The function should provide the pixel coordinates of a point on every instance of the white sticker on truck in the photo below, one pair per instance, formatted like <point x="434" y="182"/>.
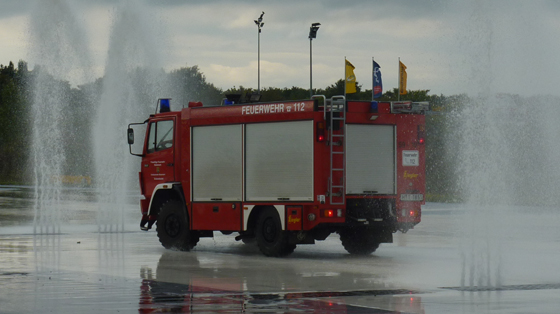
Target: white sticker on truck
<point x="412" y="197"/>
<point x="410" y="158"/>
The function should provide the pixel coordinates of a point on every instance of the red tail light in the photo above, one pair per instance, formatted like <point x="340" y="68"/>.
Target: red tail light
<point x="320" y="131"/>
<point x="421" y="134"/>
<point x="331" y="213"/>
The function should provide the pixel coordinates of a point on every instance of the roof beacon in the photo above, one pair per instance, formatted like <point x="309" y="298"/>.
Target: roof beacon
<point x="164" y="105"/>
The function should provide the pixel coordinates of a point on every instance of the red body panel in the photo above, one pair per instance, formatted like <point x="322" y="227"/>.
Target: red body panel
<point x="294" y="219"/>
<point x="217" y="216"/>
<point x="410" y="179"/>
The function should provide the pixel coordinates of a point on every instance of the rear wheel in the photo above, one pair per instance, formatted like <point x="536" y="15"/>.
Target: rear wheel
<point x="359" y="241"/>
<point x="173" y="227"/>
<point x="249" y="241"/>
<point x="271" y="239"/>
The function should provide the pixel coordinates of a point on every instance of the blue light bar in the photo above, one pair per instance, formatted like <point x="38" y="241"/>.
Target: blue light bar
<point x="373" y="107"/>
<point x="164" y="105"/>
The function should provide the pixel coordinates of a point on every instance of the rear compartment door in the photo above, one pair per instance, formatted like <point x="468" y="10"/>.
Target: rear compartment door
<point x="370" y="159"/>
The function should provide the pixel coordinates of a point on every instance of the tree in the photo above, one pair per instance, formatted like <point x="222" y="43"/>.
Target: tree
<point x="189" y="84"/>
<point x="14" y="130"/>
<point x="338" y="89"/>
<point x="442" y="155"/>
<point x="411" y="95"/>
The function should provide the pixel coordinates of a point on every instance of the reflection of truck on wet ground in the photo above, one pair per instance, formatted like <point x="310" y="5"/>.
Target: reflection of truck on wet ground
<point x="189" y="283"/>
<point x="284" y="173"/>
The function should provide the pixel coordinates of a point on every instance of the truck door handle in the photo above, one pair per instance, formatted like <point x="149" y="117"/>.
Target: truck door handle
<point x="170" y="164"/>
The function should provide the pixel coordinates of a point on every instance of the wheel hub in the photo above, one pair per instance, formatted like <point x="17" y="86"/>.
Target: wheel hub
<point x="269" y="230"/>
<point x="172" y="226"/>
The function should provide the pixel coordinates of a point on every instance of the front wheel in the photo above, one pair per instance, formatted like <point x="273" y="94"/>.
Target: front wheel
<point x="271" y="239"/>
<point x="173" y="227"/>
<point x="359" y="241"/>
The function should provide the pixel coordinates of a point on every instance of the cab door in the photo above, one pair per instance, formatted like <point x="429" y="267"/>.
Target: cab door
<point x="158" y="163"/>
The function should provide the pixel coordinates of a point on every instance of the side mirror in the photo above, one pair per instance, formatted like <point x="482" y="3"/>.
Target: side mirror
<point x="130" y="133"/>
<point x="130" y="137"/>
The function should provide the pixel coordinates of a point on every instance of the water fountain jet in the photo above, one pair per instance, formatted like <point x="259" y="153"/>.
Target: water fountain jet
<point x="132" y="79"/>
<point x="58" y="44"/>
<point x="507" y="143"/>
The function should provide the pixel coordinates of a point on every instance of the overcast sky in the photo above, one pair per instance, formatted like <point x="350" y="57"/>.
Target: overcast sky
<point x="449" y="47"/>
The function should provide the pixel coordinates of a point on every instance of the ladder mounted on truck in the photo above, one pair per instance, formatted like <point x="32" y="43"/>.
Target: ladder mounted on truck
<point x="334" y="110"/>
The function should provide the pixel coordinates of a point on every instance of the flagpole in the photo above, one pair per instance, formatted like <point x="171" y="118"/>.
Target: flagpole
<point x="372" y="79"/>
<point x="399" y="78"/>
<point x="345" y="77"/>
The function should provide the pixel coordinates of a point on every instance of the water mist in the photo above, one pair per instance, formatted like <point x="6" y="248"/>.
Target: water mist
<point x="130" y="88"/>
<point x="508" y="144"/>
<point x="58" y="46"/>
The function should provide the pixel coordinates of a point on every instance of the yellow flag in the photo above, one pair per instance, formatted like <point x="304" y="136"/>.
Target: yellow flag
<point x="402" y="78"/>
<point x="350" y="78"/>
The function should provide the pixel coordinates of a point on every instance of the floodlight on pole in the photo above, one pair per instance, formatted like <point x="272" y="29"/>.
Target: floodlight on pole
<point x="312" y="34"/>
<point x="260" y="24"/>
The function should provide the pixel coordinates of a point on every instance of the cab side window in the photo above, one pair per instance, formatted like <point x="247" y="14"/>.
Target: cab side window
<point x="160" y="136"/>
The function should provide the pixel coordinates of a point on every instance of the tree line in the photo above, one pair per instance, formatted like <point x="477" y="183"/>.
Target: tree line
<point x="15" y="133"/>
<point x="189" y="84"/>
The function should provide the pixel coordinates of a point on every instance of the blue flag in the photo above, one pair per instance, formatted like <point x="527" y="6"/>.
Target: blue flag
<point x="377" y="83"/>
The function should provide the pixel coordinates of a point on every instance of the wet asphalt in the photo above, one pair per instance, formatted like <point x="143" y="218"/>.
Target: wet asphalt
<point x="82" y="270"/>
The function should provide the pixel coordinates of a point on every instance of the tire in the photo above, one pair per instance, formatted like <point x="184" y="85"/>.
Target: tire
<point x="249" y="241"/>
<point x="173" y="227"/>
<point x="359" y="241"/>
<point x="271" y="239"/>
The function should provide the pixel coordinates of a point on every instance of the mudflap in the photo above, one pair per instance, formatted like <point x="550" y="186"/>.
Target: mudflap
<point x="300" y="238"/>
<point x="382" y="233"/>
<point x="385" y="237"/>
<point x="147" y="220"/>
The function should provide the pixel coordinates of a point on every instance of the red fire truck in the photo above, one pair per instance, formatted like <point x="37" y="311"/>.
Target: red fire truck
<point x="284" y="173"/>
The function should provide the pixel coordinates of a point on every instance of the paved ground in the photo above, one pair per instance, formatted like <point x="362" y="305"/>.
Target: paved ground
<point x="431" y="269"/>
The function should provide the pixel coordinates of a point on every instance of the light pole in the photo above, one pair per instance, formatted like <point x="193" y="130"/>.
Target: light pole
<point x="260" y="24"/>
<point x="312" y="34"/>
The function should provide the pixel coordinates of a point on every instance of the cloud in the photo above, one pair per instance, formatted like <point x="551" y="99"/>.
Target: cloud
<point x="272" y="74"/>
<point x="11" y="30"/>
<point x="11" y="8"/>
<point x="445" y="44"/>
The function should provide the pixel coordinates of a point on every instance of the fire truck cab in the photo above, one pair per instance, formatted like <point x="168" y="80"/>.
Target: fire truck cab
<point x="284" y="173"/>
